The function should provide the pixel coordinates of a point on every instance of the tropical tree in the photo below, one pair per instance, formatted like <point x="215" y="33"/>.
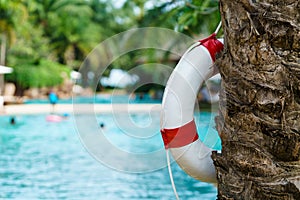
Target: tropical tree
<point x="33" y="54"/>
<point x="33" y="63"/>
<point x="68" y="26"/>
<point x="188" y="16"/>
<point x="259" y="109"/>
<point x="195" y="17"/>
<point x="109" y="18"/>
<point x="12" y="13"/>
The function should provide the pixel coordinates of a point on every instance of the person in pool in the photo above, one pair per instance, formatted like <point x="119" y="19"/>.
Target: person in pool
<point x="12" y="120"/>
<point x="102" y="126"/>
<point x="53" y="99"/>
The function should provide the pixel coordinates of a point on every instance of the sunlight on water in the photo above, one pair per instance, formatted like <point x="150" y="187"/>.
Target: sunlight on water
<point x="43" y="160"/>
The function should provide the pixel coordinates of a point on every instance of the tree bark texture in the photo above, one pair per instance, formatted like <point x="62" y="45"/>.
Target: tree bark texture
<point x="259" y="116"/>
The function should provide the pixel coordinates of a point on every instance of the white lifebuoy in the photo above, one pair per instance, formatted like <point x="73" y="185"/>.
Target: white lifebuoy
<point x="177" y="123"/>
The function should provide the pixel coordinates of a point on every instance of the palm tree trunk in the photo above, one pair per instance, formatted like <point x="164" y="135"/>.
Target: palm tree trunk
<point x="259" y="116"/>
<point x="2" y="60"/>
<point x="3" y="49"/>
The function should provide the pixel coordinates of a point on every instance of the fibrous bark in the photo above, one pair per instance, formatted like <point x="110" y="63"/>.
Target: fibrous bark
<point x="259" y="116"/>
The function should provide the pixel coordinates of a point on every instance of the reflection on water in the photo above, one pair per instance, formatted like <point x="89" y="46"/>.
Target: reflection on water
<point x="42" y="160"/>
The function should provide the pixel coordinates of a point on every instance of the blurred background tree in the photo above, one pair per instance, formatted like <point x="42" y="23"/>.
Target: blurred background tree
<point x="47" y="36"/>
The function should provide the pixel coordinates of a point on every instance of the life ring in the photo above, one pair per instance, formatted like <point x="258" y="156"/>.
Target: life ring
<point x="178" y="128"/>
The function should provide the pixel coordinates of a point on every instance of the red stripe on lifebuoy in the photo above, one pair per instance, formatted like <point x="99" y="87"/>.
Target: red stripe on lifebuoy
<point x="179" y="137"/>
<point x="212" y="45"/>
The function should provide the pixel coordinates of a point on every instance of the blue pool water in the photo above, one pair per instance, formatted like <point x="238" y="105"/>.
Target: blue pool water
<point x="44" y="160"/>
<point x="100" y="98"/>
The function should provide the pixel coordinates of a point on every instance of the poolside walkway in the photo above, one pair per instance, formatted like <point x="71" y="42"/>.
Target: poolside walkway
<point x="79" y="108"/>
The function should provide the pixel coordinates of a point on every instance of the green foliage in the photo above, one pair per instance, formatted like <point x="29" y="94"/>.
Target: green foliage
<point x="192" y="17"/>
<point x="195" y="17"/>
<point x="30" y="46"/>
<point x="45" y="73"/>
<point x="68" y="26"/>
<point x="198" y="16"/>
<point x="12" y="12"/>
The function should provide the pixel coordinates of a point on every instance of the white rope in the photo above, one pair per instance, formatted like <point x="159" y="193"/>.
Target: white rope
<point x="191" y="48"/>
<point x="171" y="176"/>
<point x="218" y="28"/>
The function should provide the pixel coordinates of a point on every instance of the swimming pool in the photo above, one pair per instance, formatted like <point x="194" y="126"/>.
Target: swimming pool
<point x="99" y="98"/>
<point x="43" y="160"/>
